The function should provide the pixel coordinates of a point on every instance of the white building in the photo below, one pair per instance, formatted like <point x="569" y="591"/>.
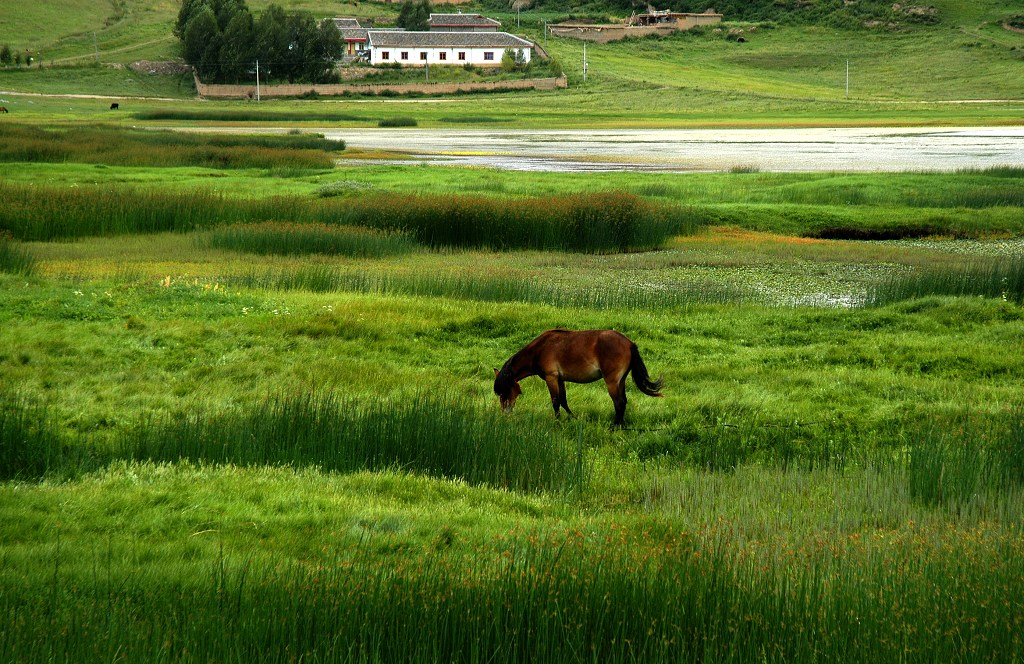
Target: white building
<point x="417" y="49"/>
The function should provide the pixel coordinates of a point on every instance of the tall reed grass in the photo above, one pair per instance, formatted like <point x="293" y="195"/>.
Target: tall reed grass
<point x="31" y="447"/>
<point x="305" y="239"/>
<point x="1002" y="278"/>
<point x="955" y="465"/>
<point x="597" y="222"/>
<point x="605" y="595"/>
<point x="325" y="279"/>
<point x="15" y="259"/>
<point x="434" y="435"/>
<point x="129" y="147"/>
<point x="246" y="115"/>
<point x="445" y="437"/>
<point x="602" y="222"/>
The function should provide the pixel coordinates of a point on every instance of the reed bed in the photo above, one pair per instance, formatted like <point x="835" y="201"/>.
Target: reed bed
<point x="325" y="279"/>
<point x="1003" y="278"/>
<point x="436" y="436"/>
<point x="606" y="594"/>
<point x="246" y="115"/>
<point x="290" y="239"/>
<point x="596" y="223"/>
<point x="15" y="259"/>
<point x="128" y="147"/>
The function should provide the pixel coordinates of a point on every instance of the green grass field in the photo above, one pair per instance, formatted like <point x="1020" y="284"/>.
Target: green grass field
<point x="236" y="422"/>
<point x="246" y="406"/>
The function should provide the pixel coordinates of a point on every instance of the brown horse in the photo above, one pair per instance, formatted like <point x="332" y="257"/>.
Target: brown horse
<point x="3" y="109"/>
<point x="561" y="356"/>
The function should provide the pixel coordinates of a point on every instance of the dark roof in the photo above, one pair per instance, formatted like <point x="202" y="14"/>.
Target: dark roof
<point x="447" y="39"/>
<point x="462" y="20"/>
<point x="346" y="23"/>
<point x="353" y="34"/>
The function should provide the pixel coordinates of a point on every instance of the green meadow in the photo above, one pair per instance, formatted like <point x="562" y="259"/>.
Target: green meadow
<point x="247" y="410"/>
<point x="246" y="404"/>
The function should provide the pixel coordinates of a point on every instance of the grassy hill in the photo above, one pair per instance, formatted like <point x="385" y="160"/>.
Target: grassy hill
<point x="791" y="61"/>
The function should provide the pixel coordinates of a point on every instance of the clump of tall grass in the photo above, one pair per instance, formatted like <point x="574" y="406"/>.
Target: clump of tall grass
<point x="953" y="465"/>
<point x="325" y="279"/>
<point x="595" y="222"/>
<point x="247" y="115"/>
<point x="397" y="122"/>
<point x="1002" y="278"/>
<point x="15" y="259"/>
<point x="303" y="239"/>
<point x="60" y="213"/>
<point x="601" y="222"/>
<point x="444" y="437"/>
<point x="30" y="446"/>
<point x="606" y="595"/>
<point x="129" y="147"/>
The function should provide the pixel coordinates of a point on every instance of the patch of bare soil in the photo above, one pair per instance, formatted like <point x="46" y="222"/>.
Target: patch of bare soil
<point x="169" y="68"/>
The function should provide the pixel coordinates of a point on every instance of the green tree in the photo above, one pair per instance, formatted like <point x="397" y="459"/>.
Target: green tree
<point x="272" y="41"/>
<point x="238" y="54"/>
<point x="201" y="43"/>
<point x="414" y="15"/>
<point x="6" y="57"/>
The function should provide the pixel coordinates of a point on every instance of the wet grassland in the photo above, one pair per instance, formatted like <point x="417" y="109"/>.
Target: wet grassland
<point x="247" y="411"/>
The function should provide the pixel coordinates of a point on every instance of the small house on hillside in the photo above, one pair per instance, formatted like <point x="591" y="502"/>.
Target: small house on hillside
<point x="680" y="20"/>
<point x="419" y="49"/>
<point x="353" y="36"/>
<point x="462" y="23"/>
<point x="639" y="25"/>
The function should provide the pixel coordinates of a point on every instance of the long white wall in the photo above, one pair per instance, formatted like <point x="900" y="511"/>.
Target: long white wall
<point x="385" y="55"/>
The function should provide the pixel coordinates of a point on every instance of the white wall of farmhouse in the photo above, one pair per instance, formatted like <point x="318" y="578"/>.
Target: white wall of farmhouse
<point x="418" y="49"/>
<point x="420" y="56"/>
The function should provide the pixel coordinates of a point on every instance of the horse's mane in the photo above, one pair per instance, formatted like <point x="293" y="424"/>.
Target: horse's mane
<point x="504" y="379"/>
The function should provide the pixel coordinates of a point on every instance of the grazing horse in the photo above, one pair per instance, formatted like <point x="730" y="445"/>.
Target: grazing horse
<point x="115" y="106"/>
<point x="561" y="356"/>
<point x="3" y="109"/>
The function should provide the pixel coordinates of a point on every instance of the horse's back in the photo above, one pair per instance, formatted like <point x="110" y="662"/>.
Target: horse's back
<point x="583" y="355"/>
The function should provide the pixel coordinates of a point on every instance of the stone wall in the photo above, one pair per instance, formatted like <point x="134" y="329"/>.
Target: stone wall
<point x="217" y="91"/>
<point x="602" y="34"/>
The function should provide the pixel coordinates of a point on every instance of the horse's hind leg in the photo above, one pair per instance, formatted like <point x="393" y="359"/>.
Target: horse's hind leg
<point x="617" y="391"/>
<point x="561" y="395"/>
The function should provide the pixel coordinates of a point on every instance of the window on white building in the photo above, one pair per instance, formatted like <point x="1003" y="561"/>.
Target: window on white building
<point x="423" y="55"/>
<point x="385" y="55"/>
<point x="462" y="55"/>
<point x="488" y="55"/>
<point x="442" y="56"/>
<point x="405" y="55"/>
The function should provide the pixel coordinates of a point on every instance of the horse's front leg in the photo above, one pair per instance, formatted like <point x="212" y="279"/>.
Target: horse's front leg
<point x="555" y="388"/>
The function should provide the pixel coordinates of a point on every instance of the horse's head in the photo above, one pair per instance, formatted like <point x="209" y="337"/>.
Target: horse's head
<point x="506" y="388"/>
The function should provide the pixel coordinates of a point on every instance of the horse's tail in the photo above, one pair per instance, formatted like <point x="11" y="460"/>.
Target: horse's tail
<point x="641" y="377"/>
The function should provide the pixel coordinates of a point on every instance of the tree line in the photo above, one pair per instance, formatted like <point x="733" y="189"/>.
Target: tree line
<point x="223" y="41"/>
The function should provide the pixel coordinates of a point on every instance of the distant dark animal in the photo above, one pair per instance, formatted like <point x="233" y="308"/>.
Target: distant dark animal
<point x="115" y="106"/>
<point x="560" y="356"/>
<point x="3" y="109"/>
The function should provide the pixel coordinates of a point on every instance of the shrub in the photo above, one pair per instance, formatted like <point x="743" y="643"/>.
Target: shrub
<point x="397" y="122"/>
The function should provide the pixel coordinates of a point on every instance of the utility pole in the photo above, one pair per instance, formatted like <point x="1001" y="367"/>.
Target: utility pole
<point x="584" y="61"/>
<point x="257" y="80"/>
<point x="847" y="78"/>
<point x="95" y="48"/>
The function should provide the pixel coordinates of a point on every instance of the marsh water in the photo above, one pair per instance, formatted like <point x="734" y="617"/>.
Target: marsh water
<point x="680" y="150"/>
